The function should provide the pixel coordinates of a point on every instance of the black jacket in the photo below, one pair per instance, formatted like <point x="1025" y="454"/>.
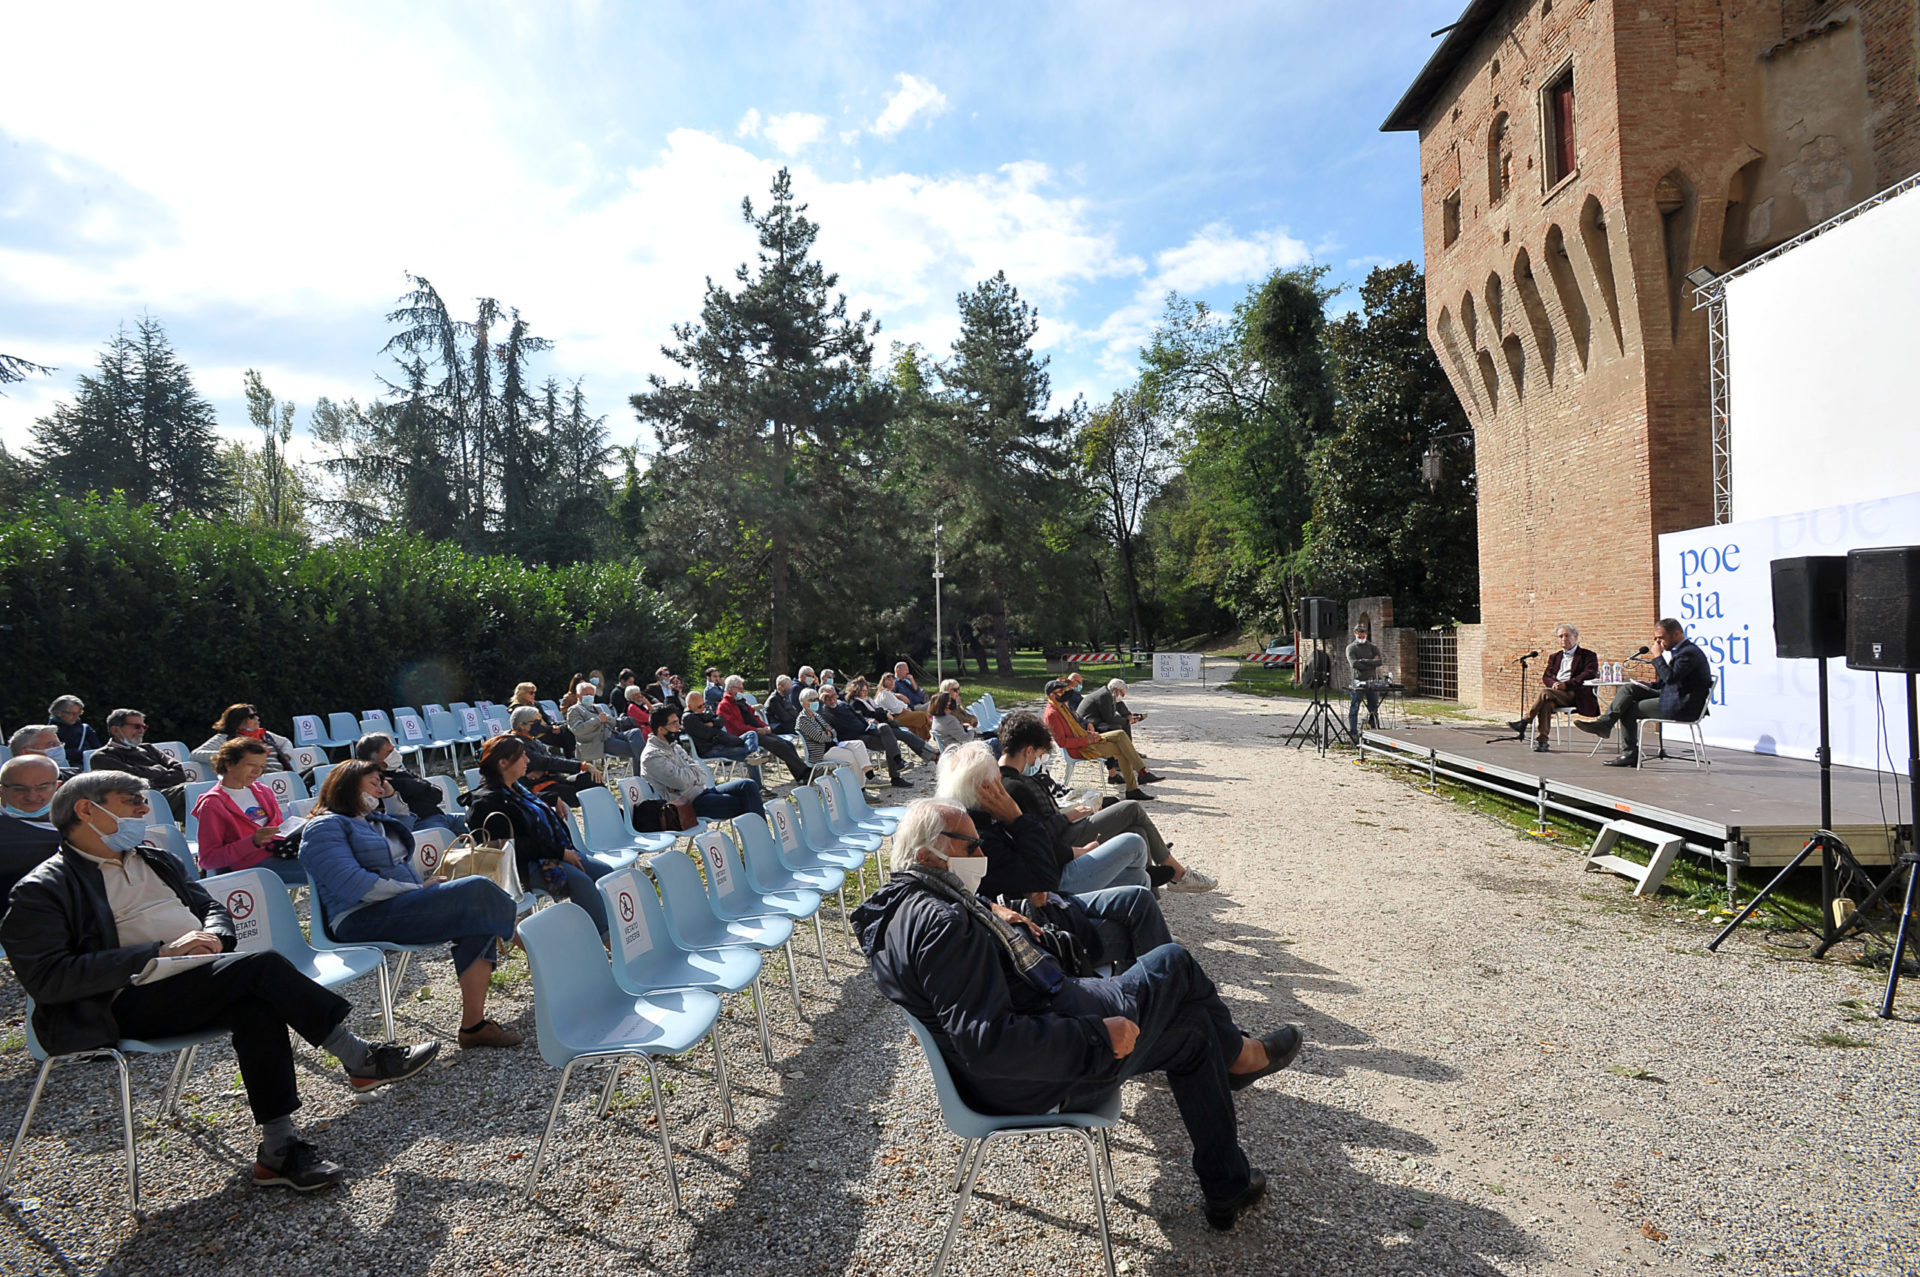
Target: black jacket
<point x="421" y="796"/>
<point x="542" y="763"/>
<point x="144" y="761"/>
<point x="1021" y="856"/>
<point x="60" y="937"/>
<point x="1103" y="711"/>
<point x="709" y="733"/>
<point x="847" y="722"/>
<point x="1031" y="795"/>
<point x="78" y="738"/>
<point x="1685" y="679"/>
<point x="23" y="845"/>
<point x="1012" y="1049"/>
<point x="780" y="713"/>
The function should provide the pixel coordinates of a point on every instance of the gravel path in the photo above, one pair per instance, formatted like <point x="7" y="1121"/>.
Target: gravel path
<point x="1512" y="1069"/>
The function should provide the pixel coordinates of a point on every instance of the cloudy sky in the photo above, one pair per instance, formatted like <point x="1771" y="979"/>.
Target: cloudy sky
<point x="260" y="178"/>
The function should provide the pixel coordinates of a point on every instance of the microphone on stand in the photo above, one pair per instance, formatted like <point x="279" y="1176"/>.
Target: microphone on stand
<point x="1640" y="655"/>
<point x="1529" y="656"/>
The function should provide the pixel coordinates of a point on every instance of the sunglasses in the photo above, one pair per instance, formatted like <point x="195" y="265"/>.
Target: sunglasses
<point x="968" y="839"/>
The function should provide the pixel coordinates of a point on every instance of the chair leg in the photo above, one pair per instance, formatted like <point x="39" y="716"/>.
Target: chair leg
<point x="967" y="1149"/>
<point x="666" y="1141"/>
<point x="553" y="1112"/>
<point x="1106" y="1155"/>
<point x="400" y="970"/>
<point x="960" y="1205"/>
<point x="182" y="1070"/>
<point x="1099" y="1198"/>
<point x="612" y="1087"/>
<point x="846" y="921"/>
<point x="386" y="997"/>
<point x="126" y="1126"/>
<point x="26" y="1120"/>
<point x="820" y="944"/>
<point x="760" y="1014"/>
<point x="720" y="1075"/>
<point x="793" y="981"/>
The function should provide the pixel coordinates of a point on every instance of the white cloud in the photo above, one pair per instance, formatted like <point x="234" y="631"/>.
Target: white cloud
<point x="1217" y="256"/>
<point x="795" y="131"/>
<point x="749" y="125"/>
<point x="914" y="98"/>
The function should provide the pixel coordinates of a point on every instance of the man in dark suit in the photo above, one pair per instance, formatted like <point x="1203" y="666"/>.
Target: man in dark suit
<point x="1568" y="672"/>
<point x="1682" y="680"/>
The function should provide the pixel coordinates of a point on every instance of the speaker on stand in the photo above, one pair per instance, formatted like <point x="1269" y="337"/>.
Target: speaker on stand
<point x="1319" y="722"/>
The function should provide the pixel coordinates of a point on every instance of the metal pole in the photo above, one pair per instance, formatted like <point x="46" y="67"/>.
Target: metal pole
<point x="939" y="662"/>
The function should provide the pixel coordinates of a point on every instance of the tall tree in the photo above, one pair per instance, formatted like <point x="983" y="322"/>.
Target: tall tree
<point x="1378" y="526"/>
<point x="524" y="457"/>
<point x="1124" y="451"/>
<point x="272" y="487"/>
<point x="138" y="426"/>
<point x="767" y="445"/>
<point x="13" y="368"/>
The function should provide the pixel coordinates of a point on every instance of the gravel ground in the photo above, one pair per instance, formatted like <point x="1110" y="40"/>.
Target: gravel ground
<point x="1512" y="1069"/>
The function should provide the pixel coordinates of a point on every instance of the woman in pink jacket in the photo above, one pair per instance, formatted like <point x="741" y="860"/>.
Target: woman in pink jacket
<point x="240" y="821"/>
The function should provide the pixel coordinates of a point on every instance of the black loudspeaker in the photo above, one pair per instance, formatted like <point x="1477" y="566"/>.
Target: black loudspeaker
<point x="1316" y="618"/>
<point x="1810" y="607"/>
<point x="1883" y="609"/>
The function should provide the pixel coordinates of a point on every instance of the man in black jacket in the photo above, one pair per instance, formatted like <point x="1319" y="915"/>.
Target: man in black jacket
<point x="849" y="724"/>
<point x="1106" y="710"/>
<point x="126" y="750"/>
<point x="417" y="801"/>
<point x="27" y="784"/>
<point x="1022" y="1037"/>
<point x="1682" y="681"/>
<point x="111" y="940"/>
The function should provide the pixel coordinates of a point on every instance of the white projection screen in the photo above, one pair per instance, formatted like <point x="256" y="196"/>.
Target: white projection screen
<point x="1823" y="346"/>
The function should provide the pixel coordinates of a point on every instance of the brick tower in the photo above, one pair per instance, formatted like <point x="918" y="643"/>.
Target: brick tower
<point x="1577" y="159"/>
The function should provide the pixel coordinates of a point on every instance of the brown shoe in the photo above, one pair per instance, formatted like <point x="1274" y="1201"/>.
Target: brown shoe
<point x="489" y="1033"/>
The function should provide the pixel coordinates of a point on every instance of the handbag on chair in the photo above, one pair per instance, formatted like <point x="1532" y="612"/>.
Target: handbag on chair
<point x="483" y="857"/>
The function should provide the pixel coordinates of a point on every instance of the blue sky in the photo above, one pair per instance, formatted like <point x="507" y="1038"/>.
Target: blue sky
<point x="261" y="180"/>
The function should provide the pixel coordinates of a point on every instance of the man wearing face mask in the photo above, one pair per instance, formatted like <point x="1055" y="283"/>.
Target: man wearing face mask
<point x="1021" y="1036"/>
<point x="26" y="836"/>
<point x="679" y="778"/>
<point x="112" y="940"/>
<point x="127" y="751"/>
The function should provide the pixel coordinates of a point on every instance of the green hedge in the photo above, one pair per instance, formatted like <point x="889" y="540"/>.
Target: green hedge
<point x="104" y="601"/>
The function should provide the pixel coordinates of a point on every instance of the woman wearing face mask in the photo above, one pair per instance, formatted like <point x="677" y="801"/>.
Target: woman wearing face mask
<point x="818" y="738"/>
<point x="542" y="840"/>
<point x="244" y="720"/>
<point x="555" y="737"/>
<point x="78" y="737"/>
<point x="241" y="824"/>
<point x="365" y="889"/>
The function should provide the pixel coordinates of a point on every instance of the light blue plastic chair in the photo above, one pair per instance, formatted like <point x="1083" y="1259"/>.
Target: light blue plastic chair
<point x="344" y="728"/>
<point x="471" y="730"/>
<point x="443" y="734"/>
<point x="768" y="876"/>
<point x="472" y="776"/>
<point x="692" y="923"/>
<point x="320" y="775"/>
<point x="263" y="918"/>
<point x="864" y="813"/>
<point x="582" y="1013"/>
<point x="646" y="960"/>
<point x="607" y="833"/>
<point x="311" y="729"/>
<point x="976" y="1130"/>
<point x="390" y="978"/>
<point x="163" y="833"/>
<point x="287" y="787"/>
<point x="379" y="717"/>
<point x="118" y="1053"/>
<point x="817" y="830"/>
<point x="793" y="850"/>
<point x="734" y="897"/>
<point x="635" y="790"/>
<point x="177" y="750"/>
<point x="841" y="822"/>
<point x="552" y="710"/>
<point x="191" y="796"/>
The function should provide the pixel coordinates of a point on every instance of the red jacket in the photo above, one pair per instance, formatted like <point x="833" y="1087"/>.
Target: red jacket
<point x="226" y="834"/>
<point x="741" y="717"/>
<point x="1068" y="734"/>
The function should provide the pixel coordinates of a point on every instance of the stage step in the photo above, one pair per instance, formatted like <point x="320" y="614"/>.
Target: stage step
<point x="1666" y="845"/>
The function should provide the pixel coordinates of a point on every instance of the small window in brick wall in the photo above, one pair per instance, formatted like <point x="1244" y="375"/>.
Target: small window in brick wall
<point x="1557" y="106"/>
<point x="1450" y="220"/>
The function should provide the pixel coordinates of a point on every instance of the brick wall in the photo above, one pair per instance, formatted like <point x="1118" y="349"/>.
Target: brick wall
<point x="1704" y="133"/>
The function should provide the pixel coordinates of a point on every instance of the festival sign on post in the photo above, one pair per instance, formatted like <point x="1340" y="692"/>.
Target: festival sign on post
<point x="1718" y="582"/>
<point x="1176" y="665"/>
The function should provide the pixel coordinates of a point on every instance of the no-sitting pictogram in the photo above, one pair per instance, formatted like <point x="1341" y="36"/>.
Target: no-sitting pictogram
<point x="240" y="905"/>
<point x="626" y="906"/>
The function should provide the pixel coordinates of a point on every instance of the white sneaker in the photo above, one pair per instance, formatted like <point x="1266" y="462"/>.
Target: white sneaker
<point x="1193" y="881"/>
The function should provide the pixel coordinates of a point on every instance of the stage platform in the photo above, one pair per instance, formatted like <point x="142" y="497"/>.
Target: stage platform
<point x="1746" y="809"/>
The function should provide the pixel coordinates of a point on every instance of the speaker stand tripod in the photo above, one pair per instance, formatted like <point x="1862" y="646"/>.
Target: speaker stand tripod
<point x="1319" y="723"/>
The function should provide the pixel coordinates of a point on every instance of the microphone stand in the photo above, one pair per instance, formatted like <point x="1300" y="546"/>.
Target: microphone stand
<point x="1522" y="660"/>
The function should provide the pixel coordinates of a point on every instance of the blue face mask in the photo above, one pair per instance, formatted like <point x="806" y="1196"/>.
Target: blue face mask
<point x="40" y="814"/>
<point x="128" y="832"/>
<point x="1033" y="768"/>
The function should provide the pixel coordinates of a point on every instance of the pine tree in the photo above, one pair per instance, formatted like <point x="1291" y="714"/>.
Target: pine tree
<point x="137" y="427"/>
<point x="13" y="368"/>
<point x="767" y="448"/>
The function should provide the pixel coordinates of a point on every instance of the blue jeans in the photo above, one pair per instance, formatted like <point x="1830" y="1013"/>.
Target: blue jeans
<point x="577" y="885"/>
<point x="1353" y="710"/>
<point x="724" y="802"/>
<point x="1129" y="922"/>
<point x="1120" y="861"/>
<point x="469" y="912"/>
<point x="1186" y="1030"/>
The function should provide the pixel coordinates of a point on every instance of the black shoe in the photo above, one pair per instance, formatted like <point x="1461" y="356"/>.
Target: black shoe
<point x="1282" y="1045"/>
<point x="1594" y="726"/>
<point x="1519" y="726"/>
<point x="1148" y="778"/>
<point x="301" y="1168"/>
<point x="1222" y="1214"/>
<point x="1625" y="760"/>
<point x="1540" y="746"/>
<point x="392" y="1063"/>
<point x="1159" y="876"/>
<point x="1140" y="795"/>
<point x="900" y="782"/>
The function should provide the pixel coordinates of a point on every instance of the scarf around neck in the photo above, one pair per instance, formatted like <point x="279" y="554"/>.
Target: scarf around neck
<point x="1034" y="964"/>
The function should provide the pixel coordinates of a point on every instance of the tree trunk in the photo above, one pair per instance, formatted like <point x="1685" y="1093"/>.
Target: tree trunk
<point x="1002" y="639"/>
<point x="1139" y="632"/>
<point x="777" y="614"/>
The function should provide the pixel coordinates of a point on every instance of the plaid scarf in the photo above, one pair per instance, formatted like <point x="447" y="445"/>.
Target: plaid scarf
<point x="1035" y="965"/>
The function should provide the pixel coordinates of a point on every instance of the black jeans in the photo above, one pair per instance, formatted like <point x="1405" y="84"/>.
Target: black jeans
<point x="786" y="753"/>
<point x="1186" y="1030"/>
<point x="1626" y="709"/>
<point x="259" y="996"/>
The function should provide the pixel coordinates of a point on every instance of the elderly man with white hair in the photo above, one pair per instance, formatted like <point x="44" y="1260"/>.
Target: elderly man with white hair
<point x="1106" y="710"/>
<point x="1566" y="683"/>
<point x="740" y="718"/>
<point x="27" y="785"/>
<point x="44" y="739"/>
<point x="1021" y="1036"/>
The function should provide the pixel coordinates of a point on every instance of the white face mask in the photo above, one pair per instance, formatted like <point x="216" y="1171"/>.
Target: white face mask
<point x="970" y="870"/>
<point x="369" y="802"/>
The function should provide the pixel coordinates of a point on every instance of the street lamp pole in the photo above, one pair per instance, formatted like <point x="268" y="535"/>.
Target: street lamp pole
<point x="939" y="662"/>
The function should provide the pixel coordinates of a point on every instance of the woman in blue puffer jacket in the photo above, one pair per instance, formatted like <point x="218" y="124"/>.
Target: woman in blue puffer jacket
<point x="359" y="864"/>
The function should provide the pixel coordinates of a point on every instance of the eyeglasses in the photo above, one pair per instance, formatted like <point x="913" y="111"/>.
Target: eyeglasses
<point x="968" y="839"/>
<point x="46" y="788"/>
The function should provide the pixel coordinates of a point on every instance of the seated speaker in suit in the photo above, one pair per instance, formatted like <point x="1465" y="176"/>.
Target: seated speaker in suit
<point x="1568" y="672"/>
<point x="1682" y="680"/>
